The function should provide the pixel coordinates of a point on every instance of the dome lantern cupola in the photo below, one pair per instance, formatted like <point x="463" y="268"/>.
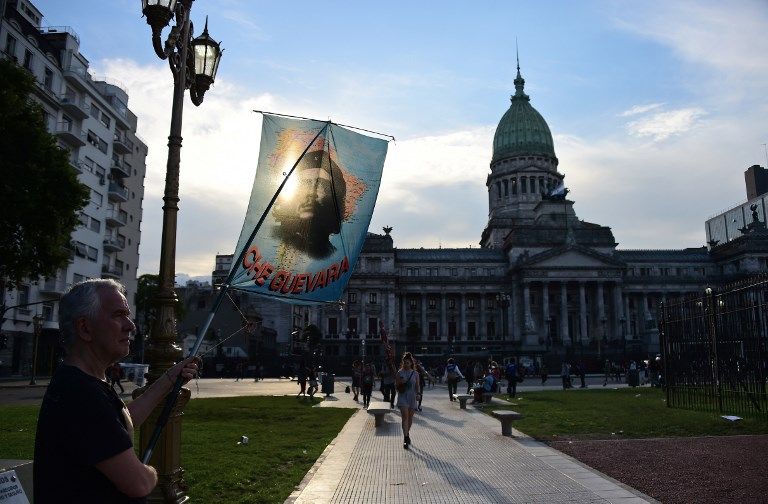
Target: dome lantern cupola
<point x="522" y="131"/>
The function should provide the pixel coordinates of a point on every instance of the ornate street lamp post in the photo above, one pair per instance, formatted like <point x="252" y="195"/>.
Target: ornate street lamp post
<point x="193" y="63"/>
<point x="37" y="326"/>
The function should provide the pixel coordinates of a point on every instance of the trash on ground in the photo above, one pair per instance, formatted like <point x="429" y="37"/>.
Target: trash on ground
<point x="243" y="440"/>
<point x="731" y="418"/>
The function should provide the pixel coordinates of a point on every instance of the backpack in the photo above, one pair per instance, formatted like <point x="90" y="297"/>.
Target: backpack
<point x="452" y="374"/>
<point x="368" y="379"/>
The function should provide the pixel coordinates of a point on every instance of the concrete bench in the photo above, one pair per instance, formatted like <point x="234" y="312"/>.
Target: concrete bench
<point x="379" y="410"/>
<point x="462" y="398"/>
<point x="506" y="417"/>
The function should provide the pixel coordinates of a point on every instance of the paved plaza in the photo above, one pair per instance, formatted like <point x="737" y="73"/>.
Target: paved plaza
<point x="457" y="456"/>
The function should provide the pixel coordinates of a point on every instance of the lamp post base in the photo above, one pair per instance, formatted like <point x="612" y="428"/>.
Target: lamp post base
<point x="171" y="487"/>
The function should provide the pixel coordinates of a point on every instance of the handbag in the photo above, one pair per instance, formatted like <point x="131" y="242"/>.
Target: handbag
<point x="347" y="389"/>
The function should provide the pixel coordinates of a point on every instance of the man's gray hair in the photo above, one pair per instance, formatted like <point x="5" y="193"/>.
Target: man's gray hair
<point x="82" y="300"/>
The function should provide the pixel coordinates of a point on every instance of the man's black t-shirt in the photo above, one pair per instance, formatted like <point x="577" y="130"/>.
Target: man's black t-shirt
<point x="82" y="422"/>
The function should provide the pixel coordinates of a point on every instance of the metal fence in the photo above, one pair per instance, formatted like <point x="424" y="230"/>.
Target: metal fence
<point x="715" y="349"/>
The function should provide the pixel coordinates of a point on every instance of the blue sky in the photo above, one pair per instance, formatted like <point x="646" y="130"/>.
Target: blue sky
<point x="656" y="108"/>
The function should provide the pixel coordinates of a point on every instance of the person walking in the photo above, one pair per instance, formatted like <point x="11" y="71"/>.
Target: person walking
<point x="115" y="373"/>
<point x="470" y="376"/>
<point x="582" y="370"/>
<point x="357" y="372"/>
<point x="510" y="373"/>
<point x="424" y="378"/>
<point x="238" y="371"/>
<point x="368" y="379"/>
<point x="407" y="384"/>
<point x="544" y="374"/>
<point x="452" y="376"/>
<point x="388" y="385"/>
<point x="312" y="377"/>
<point x="565" y="374"/>
<point x="301" y="377"/>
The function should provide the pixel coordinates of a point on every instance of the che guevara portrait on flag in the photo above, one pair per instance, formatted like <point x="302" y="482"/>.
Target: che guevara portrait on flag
<point x="310" y="208"/>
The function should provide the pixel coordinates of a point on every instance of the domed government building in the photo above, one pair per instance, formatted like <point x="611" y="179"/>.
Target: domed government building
<point x="544" y="285"/>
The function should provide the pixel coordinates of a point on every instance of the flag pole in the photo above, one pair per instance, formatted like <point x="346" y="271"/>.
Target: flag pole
<point x="170" y="401"/>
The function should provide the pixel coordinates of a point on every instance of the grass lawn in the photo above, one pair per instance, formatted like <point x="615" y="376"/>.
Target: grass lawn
<point x="616" y="414"/>
<point x="286" y="437"/>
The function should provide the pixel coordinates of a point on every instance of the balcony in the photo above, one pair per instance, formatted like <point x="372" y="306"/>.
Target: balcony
<point x="122" y="145"/>
<point x="117" y="218"/>
<point x="120" y="167"/>
<point x="76" y="165"/>
<point x="45" y="92"/>
<point x="73" y="105"/>
<point x="70" y="133"/>
<point x="114" y="243"/>
<point x="117" y="192"/>
<point x="52" y="286"/>
<point x="108" y="271"/>
<point x="77" y="74"/>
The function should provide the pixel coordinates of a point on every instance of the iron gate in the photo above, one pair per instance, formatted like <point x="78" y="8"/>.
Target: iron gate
<point x="714" y="349"/>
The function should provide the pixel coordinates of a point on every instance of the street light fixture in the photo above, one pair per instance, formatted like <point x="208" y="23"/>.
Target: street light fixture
<point x="37" y="326"/>
<point x="193" y="63"/>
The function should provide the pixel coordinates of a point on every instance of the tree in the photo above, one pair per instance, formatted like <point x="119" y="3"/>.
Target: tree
<point x="312" y="335"/>
<point x="146" y="310"/>
<point x="40" y="193"/>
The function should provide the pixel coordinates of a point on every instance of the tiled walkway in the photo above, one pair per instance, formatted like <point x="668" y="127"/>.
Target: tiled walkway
<point x="457" y="456"/>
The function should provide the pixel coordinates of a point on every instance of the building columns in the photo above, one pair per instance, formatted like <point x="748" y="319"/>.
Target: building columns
<point x="582" y="311"/>
<point x="462" y="332"/>
<point x="564" y="314"/>
<point x="601" y="319"/>
<point x="482" y="331"/>
<point x="545" y="308"/>
<point x="618" y="310"/>
<point x="529" y="326"/>
<point x="424" y="328"/>
<point x="443" y="317"/>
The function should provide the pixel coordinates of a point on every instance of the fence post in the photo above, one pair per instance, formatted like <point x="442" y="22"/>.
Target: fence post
<point x="665" y="351"/>
<point x="712" y="326"/>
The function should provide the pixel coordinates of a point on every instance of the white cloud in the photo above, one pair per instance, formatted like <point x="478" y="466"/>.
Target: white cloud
<point x="717" y="37"/>
<point x="640" y="109"/>
<point x="662" y="125"/>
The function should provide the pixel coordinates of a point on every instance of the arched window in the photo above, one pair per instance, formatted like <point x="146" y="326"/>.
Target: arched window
<point x="506" y="188"/>
<point x="498" y="189"/>
<point x="541" y="185"/>
<point x="514" y="185"/>
<point x="523" y="185"/>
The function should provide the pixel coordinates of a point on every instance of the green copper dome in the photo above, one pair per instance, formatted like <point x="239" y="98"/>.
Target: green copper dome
<point x="522" y="131"/>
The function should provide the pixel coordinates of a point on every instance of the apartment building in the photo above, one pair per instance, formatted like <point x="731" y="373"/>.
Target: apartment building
<point x="91" y="119"/>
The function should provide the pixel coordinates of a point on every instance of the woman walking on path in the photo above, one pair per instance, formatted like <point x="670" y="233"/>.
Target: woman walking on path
<point x="357" y="372"/>
<point x="407" y="383"/>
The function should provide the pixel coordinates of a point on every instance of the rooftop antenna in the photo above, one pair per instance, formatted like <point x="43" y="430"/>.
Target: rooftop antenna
<point x="517" y="55"/>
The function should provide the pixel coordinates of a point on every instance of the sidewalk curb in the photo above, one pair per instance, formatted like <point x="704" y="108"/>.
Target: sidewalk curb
<point x="299" y="489"/>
